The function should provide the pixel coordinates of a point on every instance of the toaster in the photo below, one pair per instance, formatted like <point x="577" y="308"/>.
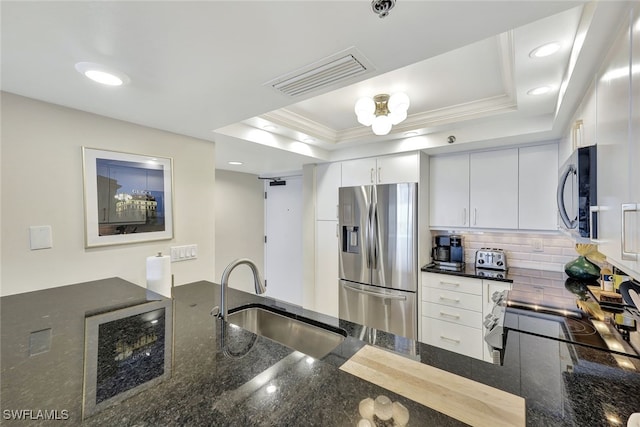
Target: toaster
<point x="494" y="259"/>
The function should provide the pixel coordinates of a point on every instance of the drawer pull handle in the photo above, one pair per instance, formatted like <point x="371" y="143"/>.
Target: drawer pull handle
<point x="455" y="316"/>
<point x="450" y="283"/>
<point x="450" y="339"/>
<point x="449" y="299"/>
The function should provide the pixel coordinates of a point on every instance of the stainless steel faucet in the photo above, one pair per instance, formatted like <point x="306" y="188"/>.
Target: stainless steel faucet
<point x="223" y="310"/>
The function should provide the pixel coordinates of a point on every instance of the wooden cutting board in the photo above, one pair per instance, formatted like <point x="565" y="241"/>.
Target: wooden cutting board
<point x="468" y="401"/>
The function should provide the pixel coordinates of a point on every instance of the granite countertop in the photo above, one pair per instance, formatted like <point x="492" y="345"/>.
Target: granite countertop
<point x="212" y="385"/>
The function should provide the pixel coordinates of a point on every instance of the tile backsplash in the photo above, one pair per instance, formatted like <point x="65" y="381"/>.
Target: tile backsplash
<point x="523" y="249"/>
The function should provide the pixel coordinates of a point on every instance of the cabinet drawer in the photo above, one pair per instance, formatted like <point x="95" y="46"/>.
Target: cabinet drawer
<point x="452" y="299"/>
<point x="452" y="283"/>
<point x="457" y="338"/>
<point x="452" y="314"/>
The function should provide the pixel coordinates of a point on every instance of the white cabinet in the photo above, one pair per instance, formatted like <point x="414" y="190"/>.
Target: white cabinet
<point x="328" y="180"/>
<point x="493" y="189"/>
<point x="326" y="276"/>
<point x="449" y="191"/>
<point x="381" y="170"/>
<point x="451" y="313"/>
<point x="453" y="309"/>
<point x="618" y="153"/>
<point x="501" y="189"/>
<point x="537" y="182"/>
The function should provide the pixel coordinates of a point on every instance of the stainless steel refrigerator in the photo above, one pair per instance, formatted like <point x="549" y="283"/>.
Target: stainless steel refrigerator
<point x="378" y="257"/>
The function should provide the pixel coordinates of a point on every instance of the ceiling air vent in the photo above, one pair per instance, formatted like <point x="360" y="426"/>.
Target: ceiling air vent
<point x="321" y="74"/>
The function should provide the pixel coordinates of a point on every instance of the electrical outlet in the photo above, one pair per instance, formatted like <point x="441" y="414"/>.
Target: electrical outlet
<point x="538" y="245"/>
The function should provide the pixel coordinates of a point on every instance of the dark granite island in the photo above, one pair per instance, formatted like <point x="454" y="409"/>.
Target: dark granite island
<point x="252" y="381"/>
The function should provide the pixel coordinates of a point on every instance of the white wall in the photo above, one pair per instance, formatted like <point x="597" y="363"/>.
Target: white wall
<point x="41" y="181"/>
<point x="239" y="200"/>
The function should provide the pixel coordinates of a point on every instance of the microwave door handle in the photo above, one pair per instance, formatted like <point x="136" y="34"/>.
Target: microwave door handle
<point x="375" y="294"/>
<point x="562" y="209"/>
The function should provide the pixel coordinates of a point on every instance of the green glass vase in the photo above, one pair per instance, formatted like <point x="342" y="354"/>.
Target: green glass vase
<point x="582" y="268"/>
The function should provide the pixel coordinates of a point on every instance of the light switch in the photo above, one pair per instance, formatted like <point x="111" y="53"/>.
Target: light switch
<point x="40" y="237"/>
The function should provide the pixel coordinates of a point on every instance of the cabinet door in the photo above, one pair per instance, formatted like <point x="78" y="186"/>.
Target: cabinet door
<point x="396" y="169"/>
<point x="493" y="183"/>
<point x="449" y="191"/>
<point x="632" y="220"/>
<point x="588" y="117"/>
<point x="326" y="286"/>
<point x="359" y="172"/>
<point x="613" y="146"/>
<point x="328" y="180"/>
<point x="538" y="179"/>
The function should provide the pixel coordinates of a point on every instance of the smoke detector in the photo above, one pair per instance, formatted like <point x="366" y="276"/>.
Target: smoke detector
<point x="382" y="7"/>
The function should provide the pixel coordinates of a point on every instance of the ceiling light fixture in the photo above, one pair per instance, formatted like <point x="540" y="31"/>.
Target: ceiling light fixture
<point x="269" y="127"/>
<point x="539" y="90"/>
<point x="235" y="163"/>
<point x="382" y="112"/>
<point x="101" y="74"/>
<point x="545" y="50"/>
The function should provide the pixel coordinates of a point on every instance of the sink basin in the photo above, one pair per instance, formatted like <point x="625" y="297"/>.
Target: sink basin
<point x="309" y="337"/>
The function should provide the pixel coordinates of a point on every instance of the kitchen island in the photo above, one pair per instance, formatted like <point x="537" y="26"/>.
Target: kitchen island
<point x="251" y="380"/>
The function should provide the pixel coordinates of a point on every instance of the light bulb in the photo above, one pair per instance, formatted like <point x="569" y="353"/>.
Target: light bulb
<point x="365" y="106"/>
<point x="381" y="125"/>
<point x="366" y="119"/>
<point x="398" y="102"/>
<point x="397" y="116"/>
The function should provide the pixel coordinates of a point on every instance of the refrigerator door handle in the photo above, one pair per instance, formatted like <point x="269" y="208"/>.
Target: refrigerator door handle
<point x="369" y="236"/>
<point x="375" y="294"/>
<point x="374" y="236"/>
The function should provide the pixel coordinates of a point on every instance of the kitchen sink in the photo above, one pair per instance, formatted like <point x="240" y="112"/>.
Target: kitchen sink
<point x="307" y="336"/>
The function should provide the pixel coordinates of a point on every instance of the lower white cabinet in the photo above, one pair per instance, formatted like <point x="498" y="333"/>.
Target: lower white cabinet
<point x="452" y="311"/>
<point x="457" y="338"/>
<point x="326" y="280"/>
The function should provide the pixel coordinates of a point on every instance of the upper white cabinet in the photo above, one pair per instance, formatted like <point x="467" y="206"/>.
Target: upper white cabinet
<point x="493" y="185"/>
<point x="501" y="189"/>
<point x="449" y="191"/>
<point x="328" y="180"/>
<point x="537" y="182"/>
<point x="381" y="170"/>
<point x="618" y="132"/>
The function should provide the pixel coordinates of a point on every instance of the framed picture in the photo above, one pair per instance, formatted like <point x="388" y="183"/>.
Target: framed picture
<point x="128" y="198"/>
<point x="127" y="351"/>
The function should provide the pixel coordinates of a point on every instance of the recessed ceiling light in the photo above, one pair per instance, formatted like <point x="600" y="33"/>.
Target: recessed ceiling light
<point x="545" y="50"/>
<point x="269" y="127"/>
<point x="271" y="389"/>
<point x="309" y="139"/>
<point x="411" y="133"/>
<point x="234" y="163"/>
<point x="101" y="74"/>
<point x="539" y="90"/>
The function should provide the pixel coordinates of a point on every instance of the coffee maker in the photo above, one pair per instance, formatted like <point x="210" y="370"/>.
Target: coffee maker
<point x="448" y="252"/>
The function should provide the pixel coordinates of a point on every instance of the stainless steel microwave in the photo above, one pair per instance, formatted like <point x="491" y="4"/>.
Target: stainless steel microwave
<point x="577" y="192"/>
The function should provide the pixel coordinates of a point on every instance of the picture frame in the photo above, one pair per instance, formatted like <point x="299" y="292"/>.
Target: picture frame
<point x="128" y="198"/>
<point x="127" y="350"/>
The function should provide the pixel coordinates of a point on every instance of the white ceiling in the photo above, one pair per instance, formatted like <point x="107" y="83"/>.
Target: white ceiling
<point x="200" y="68"/>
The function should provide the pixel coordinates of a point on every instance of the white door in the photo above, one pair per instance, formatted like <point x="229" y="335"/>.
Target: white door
<point x="283" y="246"/>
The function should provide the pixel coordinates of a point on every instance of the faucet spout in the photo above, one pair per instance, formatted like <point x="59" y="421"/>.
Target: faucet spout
<point x="224" y="283"/>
